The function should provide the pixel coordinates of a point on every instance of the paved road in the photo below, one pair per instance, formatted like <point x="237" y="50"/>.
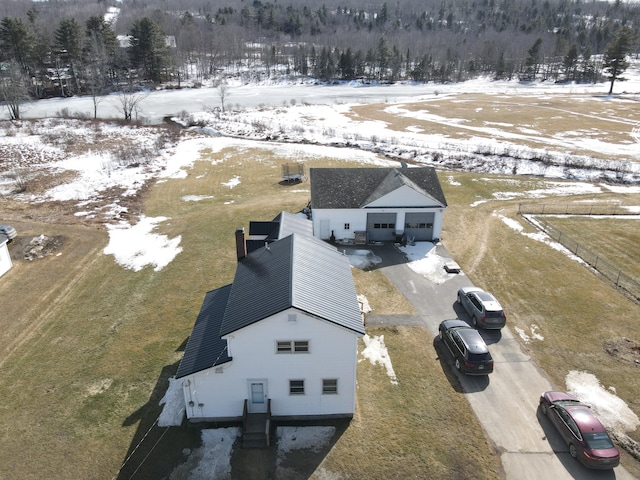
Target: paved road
<point x="505" y="402"/>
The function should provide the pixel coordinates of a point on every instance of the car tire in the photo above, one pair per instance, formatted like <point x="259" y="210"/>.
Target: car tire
<point x="572" y="450"/>
<point x="457" y="364"/>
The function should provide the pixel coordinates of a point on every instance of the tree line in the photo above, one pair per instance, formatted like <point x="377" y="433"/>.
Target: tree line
<point x="61" y="49"/>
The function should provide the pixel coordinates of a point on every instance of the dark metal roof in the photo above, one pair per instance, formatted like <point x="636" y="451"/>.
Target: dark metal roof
<point x="296" y="271"/>
<point x="357" y="187"/>
<point x="205" y="348"/>
<point x="284" y="224"/>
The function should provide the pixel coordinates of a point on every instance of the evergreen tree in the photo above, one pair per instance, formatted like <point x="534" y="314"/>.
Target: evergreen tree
<point x="615" y="58"/>
<point x="16" y="43"/>
<point x="68" y="38"/>
<point x="532" y="63"/>
<point x="570" y="63"/>
<point x="147" y="50"/>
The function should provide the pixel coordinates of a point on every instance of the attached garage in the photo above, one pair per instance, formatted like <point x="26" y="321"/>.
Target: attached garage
<point x="383" y="203"/>
<point x="381" y="226"/>
<point x="419" y="226"/>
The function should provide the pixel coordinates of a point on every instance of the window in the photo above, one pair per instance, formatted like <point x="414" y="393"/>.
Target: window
<point x="296" y="387"/>
<point x="347" y="226"/>
<point x="292" y="346"/>
<point x="329" y="386"/>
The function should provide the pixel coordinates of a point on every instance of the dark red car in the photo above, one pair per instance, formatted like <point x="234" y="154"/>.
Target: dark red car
<point x="587" y="438"/>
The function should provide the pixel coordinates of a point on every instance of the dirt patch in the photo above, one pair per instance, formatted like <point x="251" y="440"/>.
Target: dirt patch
<point x="34" y="248"/>
<point x="624" y="349"/>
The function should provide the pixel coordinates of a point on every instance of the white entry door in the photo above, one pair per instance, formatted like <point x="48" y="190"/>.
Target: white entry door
<point x="257" y="396"/>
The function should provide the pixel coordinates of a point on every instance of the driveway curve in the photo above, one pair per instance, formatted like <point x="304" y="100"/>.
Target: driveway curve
<point x="505" y="402"/>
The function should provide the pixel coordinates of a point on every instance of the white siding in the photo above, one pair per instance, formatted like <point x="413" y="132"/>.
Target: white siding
<point x="357" y="220"/>
<point x="332" y="355"/>
<point x="5" y="259"/>
<point x="404" y="197"/>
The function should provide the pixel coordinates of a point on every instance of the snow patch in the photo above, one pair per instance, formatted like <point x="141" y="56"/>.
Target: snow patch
<point x="376" y="352"/>
<point x="135" y="246"/>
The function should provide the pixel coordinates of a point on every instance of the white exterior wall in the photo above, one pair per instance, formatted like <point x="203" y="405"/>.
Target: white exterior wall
<point x="5" y="259"/>
<point x="336" y="219"/>
<point x="332" y="355"/>
<point x="325" y="221"/>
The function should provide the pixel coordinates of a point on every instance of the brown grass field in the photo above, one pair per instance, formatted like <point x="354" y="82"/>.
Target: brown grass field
<point x="87" y="346"/>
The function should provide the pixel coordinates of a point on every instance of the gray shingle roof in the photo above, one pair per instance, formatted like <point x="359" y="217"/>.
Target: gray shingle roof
<point x="296" y="271"/>
<point x="357" y="187"/>
<point x="205" y="348"/>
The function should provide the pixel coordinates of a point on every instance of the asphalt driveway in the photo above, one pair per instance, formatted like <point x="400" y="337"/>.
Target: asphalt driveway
<point x="505" y="402"/>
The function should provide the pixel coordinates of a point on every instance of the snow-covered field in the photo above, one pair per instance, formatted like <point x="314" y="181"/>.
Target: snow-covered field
<point x="317" y="116"/>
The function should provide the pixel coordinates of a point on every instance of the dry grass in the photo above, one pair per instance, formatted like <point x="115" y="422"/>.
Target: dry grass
<point x="618" y="246"/>
<point x="87" y="346"/>
<point x="533" y="121"/>
<point x="407" y="430"/>
<point x="383" y="297"/>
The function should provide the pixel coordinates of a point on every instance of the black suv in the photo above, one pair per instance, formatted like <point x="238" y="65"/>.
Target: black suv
<point x="467" y="347"/>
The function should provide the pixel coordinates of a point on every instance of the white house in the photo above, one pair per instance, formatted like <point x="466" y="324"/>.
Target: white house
<point x="377" y="204"/>
<point x="283" y="336"/>
<point x="5" y="258"/>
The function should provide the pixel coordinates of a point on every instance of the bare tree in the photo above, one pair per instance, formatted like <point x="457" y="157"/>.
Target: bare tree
<point x="223" y="93"/>
<point x="129" y="103"/>
<point x="14" y="89"/>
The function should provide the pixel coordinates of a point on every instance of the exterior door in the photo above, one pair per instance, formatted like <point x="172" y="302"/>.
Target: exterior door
<point x="257" y="396"/>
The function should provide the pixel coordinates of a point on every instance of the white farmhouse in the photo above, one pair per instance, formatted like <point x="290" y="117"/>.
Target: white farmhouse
<point x="282" y="339"/>
<point x="376" y="204"/>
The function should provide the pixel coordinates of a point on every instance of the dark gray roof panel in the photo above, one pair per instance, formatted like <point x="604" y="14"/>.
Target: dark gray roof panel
<point x="296" y="271"/>
<point x="205" y="348"/>
<point x="333" y="188"/>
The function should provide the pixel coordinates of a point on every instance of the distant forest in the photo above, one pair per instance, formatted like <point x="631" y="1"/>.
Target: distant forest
<point x="61" y="48"/>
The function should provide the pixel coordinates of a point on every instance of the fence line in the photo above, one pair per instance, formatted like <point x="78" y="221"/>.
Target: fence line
<point x="621" y="280"/>
<point x="574" y="209"/>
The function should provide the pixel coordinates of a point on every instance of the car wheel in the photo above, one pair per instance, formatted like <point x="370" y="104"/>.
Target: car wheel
<point x="572" y="450"/>
<point x="457" y="364"/>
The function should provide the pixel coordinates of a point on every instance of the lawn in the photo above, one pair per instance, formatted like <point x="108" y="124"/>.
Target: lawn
<point x="88" y="346"/>
<point x="615" y="240"/>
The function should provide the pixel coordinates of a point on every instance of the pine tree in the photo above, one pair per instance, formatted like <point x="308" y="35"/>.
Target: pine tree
<point x="615" y="57"/>
<point x="148" y="51"/>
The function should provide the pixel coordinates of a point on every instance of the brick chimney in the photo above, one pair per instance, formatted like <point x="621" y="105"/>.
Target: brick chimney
<point x="241" y="243"/>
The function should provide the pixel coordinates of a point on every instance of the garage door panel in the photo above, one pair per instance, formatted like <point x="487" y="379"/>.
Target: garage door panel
<point x="419" y="226"/>
<point x="381" y="226"/>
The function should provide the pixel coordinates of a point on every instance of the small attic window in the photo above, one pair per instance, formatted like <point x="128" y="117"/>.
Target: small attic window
<point x="292" y="317"/>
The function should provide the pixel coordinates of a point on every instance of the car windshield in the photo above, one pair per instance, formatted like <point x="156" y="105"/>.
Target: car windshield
<point x="479" y="357"/>
<point x="496" y="314"/>
<point x="598" y="441"/>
